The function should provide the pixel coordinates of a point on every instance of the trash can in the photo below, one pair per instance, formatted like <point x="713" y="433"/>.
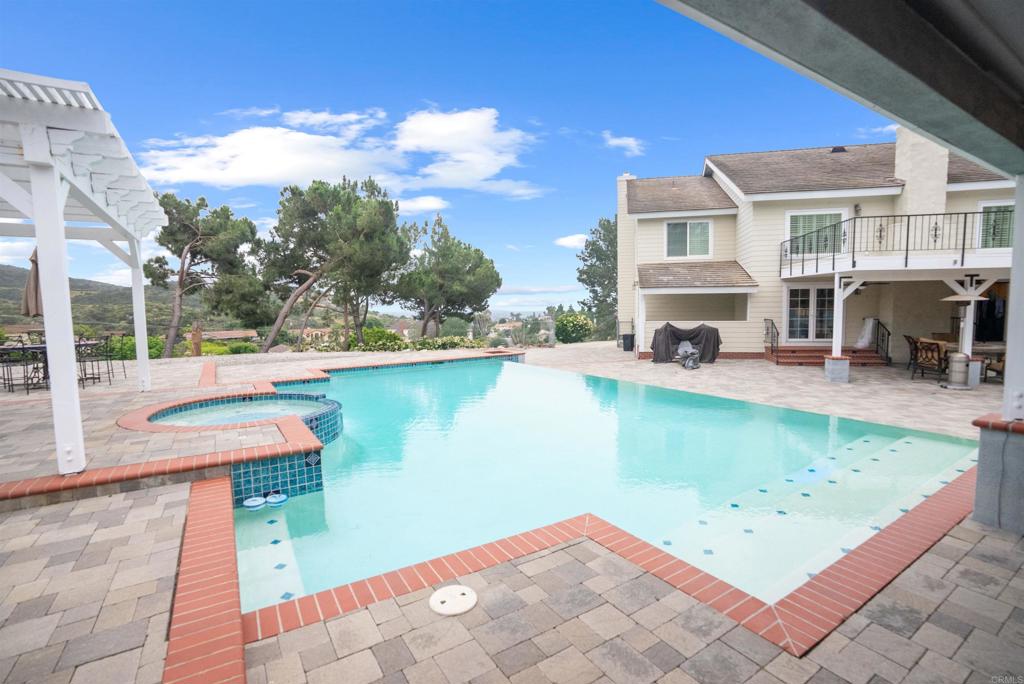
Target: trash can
<point x="627" y="342"/>
<point x="958" y="363"/>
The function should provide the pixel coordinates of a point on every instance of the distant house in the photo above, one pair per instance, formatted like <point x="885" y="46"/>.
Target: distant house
<point x="509" y="326"/>
<point x="225" y="335"/>
<point x="401" y="326"/>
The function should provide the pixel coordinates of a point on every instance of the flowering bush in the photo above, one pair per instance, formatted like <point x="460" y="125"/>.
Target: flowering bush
<point x="447" y="342"/>
<point x="573" y="327"/>
<point x="381" y="339"/>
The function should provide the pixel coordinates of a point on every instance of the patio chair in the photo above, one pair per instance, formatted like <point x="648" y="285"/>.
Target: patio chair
<point x="931" y="358"/>
<point x="24" y="367"/>
<point x="997" y="366"/>
<point x="912" y="343"/>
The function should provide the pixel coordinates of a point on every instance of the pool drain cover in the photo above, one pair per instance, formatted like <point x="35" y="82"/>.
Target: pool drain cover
<point x="455" y="599"/>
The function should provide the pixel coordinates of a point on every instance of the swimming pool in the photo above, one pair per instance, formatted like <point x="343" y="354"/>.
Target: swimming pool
<point x="436" y="459"/>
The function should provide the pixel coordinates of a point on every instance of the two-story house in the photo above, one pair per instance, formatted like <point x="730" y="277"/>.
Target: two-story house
<point x="798" y="254"/>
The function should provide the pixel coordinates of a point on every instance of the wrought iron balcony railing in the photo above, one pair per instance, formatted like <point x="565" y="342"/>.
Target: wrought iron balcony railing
<point x="903" y="235"/>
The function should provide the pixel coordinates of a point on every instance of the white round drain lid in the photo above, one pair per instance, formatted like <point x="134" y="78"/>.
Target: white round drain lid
<point x="454" y="599"/>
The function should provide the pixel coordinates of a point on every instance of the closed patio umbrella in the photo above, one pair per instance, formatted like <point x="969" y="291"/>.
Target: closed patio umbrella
<point x="32" y="297"/>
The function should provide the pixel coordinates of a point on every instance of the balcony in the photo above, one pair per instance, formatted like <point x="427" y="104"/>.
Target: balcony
<point x="974" y="239"/>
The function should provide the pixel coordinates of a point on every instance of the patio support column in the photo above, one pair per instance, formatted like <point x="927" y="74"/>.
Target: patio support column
<point x="1013" y="387"/>
<point x="641" y="321"/>
<point x="48" y="197"/>
<point x="139" y="318"/>
<point x="838" y="316"/>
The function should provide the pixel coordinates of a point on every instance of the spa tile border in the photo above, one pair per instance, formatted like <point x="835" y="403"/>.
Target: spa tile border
<point x="795" y="623"/>
<point x="297" y="439"/>
<point x="205" y="643"/>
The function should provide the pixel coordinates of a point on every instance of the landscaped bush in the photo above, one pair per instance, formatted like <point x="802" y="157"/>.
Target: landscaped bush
<point x="381" y="339"/>
<point x="497" y="342"/>
<point x="212" y="348"/>
<point x="447" y="342"/>
<point x="124" y="348"/>
<point x="242" y="348"/>
<point x="3" y="335"/>
<point x="573" y="327"/>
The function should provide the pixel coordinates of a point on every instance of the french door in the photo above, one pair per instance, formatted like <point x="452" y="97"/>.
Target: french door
<point x="809" y="313"/>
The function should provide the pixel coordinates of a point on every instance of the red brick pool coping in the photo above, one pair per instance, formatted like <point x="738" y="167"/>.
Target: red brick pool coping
<point x="795" y="623"/>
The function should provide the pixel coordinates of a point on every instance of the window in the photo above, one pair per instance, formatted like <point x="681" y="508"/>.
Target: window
<point x="802" y="224"/>
<point x="688" y="239"/>
<point x="997" y="226"/>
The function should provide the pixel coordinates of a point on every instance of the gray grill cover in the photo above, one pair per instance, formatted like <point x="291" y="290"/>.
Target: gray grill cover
<point x="667" y="338"/>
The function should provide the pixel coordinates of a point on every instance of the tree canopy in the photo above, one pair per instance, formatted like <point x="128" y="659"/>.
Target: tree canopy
<point x="598" y="272"/>
<point x="209" y="246"/>
<point x="447" y="278"/>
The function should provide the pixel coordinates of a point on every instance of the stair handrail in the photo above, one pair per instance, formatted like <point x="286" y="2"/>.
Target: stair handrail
<point x="771" y="338"/>
<point x="882" y="337"/>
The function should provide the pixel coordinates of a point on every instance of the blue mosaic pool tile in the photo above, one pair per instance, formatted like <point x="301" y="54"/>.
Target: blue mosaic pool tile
<point x="763" y="491"/>
<point x="286" y="595"/>
<point x="709" y="552"/>
<point x="734" y="505"/>
<point x="275" y="541"/>
<point x="805" y="494"/>
<point x="748" y="531"/>
<point x="666" y="542"/>
<point x="280" y="566"/>
<point x="292" y="475"/>
<point x="702" y="522"/>
<point x="781" y="512"/>
<point x="876" y="528"/>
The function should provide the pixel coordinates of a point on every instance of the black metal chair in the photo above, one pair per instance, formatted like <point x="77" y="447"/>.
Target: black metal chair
<point x="25" y="367"/>
<point x="912" y="343"/>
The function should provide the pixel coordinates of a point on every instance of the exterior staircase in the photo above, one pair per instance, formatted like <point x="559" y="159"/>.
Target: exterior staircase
<point x="815" y="356"/>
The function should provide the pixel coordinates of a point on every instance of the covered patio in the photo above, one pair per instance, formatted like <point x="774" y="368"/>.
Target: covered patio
<point x="66" y="174"/>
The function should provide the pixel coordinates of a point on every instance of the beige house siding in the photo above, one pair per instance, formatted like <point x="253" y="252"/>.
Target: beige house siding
<point x="968" y="200"/>
<point x="650" y="234"/>
<point x="626" y="259"/>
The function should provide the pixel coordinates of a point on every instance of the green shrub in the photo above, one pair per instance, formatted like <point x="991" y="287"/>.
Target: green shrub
<point x="213" y="348"/>
<point x="3" y="335"/>
<point x="447" y="342"/>
<point x="573" y="327"/>
<point x="124" y="347"/>
<point x="496" y="342"/>
<point x="242" y="348"/>
<point x="381" y="339"/>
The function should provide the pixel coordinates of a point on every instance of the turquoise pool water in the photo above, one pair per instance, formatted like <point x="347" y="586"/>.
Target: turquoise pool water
<point x="437" y="459"/>
<point x="240" y="412"/>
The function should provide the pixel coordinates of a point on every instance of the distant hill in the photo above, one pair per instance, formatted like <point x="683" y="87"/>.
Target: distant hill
<point x="104" y="306"/>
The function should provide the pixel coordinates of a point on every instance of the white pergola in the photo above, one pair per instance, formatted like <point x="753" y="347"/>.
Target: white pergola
<point x="62" y="160"/>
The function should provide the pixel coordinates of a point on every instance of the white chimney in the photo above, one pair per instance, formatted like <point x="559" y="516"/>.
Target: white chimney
<point x="922" y="166"/>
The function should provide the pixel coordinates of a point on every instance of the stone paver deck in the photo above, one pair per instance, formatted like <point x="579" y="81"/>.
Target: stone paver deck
<point x="86" y="588"/>
<point x="580" y="613"/>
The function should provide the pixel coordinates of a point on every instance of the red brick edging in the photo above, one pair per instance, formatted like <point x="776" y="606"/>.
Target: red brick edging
<point x="204" y="644"/>
<point x="208" y="376"/>
<point x="994" y="421"/>
<point x="796" y="622"/>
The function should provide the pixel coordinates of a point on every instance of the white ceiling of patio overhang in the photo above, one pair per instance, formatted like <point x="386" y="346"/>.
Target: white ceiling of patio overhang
<point x="105" y="184"/>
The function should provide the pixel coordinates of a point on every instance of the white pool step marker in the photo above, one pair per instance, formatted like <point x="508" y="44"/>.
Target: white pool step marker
<point x="454" y="599"/>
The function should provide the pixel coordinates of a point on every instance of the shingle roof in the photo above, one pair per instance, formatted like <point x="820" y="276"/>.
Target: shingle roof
<point x="675" y="193"/>
<point x="962" y="170"/>
<point x="819" y="168"/>
<point x="695" y="274"/>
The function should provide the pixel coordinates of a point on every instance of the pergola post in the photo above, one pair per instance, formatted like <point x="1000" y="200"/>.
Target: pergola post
<point x="139" y="318"/>
<point x="1013" y="379"/>
<point x="48" y="197"/>
<point x="838" y="317"/>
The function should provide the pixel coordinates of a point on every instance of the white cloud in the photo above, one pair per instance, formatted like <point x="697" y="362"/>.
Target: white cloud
<point x="461" y="149"/>
<point x="632" y="147"/>
<point x="114" y="275"/>
<point x="241" y="203"/>
<point x="246" y="112"/>
<point x="886" y="131"/>
<point x="575" y="241"/>
<point x="263" y="225"/>
<point x="513" y="248"/>
<point x="421" y="205"/>
<point x="539" y="289"/>
<point x="16" y="251"/>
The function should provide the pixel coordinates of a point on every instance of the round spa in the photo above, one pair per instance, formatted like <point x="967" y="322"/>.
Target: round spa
<point x="321" y="415"/>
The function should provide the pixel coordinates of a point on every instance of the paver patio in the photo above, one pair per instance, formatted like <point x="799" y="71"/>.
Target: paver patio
<point x="85" y="586"/>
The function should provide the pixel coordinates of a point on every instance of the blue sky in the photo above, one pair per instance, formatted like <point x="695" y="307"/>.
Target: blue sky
<point x="514" y="118"/>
